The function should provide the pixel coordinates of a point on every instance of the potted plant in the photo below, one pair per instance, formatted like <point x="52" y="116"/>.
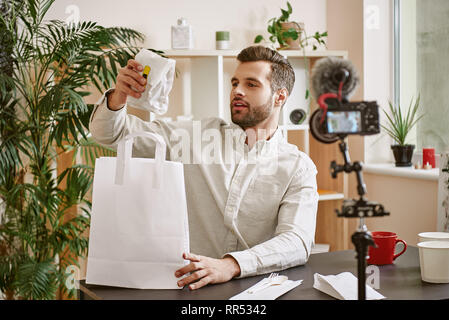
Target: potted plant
<point x="46" y="69"/>
<point x="398" y="127"/>
<point x="292" y="35"/>
<point x="289" y="34"/>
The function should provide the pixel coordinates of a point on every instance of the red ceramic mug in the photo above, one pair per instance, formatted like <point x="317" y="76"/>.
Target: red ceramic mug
<point x="386" y="245"/>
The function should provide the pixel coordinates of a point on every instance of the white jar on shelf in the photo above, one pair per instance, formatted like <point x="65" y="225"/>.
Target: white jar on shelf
<point x="182" y="35"/>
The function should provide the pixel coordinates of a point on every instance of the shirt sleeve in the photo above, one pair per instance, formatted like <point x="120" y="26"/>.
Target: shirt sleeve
<point x="295" y="232"/>
<point x="108" y="127"/>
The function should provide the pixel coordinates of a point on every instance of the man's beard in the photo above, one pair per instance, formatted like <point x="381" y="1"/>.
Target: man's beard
<point x="254" y="114"/>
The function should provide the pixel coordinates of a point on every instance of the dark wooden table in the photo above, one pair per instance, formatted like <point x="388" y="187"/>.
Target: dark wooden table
<point x="399" y="281"/>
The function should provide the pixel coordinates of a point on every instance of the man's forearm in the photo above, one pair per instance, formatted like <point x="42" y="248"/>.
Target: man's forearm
<point x="106" y="125"/>
<point x="113" y="100"/>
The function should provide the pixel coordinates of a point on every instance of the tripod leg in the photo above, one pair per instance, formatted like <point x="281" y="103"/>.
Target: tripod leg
<point x="361" y="241"/>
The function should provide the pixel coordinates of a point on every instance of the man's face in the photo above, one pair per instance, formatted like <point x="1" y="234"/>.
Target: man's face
<point x="251" y="97"/>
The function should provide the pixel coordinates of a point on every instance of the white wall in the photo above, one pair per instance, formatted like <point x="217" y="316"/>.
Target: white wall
<point x="413" y="207"/>
<point x="243" y="18"/>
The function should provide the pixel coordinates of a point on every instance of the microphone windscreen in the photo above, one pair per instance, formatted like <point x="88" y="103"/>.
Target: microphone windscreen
<point x="328" y="73"/>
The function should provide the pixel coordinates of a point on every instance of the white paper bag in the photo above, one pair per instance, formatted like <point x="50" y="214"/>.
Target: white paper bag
<point x="139" y="226"/>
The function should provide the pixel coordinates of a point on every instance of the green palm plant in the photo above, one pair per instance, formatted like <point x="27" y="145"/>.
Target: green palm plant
<point x="46" y="70"/>
<point x="398" y="124"/>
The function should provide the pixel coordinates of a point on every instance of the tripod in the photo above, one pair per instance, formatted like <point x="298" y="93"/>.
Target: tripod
<point x="360" y="208"/>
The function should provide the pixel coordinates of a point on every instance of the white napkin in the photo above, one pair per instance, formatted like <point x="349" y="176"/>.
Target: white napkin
<point x="269" y="293"/>
<point x="343" y="286"/>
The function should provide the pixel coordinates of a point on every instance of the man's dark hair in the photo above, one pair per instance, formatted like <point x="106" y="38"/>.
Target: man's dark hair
<point x="282" y="74"/>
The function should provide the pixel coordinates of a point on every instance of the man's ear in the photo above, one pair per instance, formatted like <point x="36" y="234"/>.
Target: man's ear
<point x="281" y="97"/>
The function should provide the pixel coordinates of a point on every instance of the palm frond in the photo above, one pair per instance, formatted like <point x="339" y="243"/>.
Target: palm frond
<point x="36" y="280"/>
<point x="90" y="150"/>
<point x="46" y="66"/>
<point x="78" y="179"/>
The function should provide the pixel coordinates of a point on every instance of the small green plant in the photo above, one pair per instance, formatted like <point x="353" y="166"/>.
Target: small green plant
<point x="280" y="35"/>
<point x="399" y="125"/>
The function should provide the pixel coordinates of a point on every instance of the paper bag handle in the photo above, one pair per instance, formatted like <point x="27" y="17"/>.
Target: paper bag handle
<point x="124" y="153"/>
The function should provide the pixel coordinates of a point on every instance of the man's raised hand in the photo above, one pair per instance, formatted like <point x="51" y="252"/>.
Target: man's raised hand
<point x="128" y="81"/>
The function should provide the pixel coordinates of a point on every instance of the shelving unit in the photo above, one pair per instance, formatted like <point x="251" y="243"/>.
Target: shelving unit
<point x="204" y="79"/>
<point x="202" y="89"/>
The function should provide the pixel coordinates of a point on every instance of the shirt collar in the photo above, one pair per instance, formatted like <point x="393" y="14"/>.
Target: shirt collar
<point x="240" y="137"/>
<point x="277" y="137"/>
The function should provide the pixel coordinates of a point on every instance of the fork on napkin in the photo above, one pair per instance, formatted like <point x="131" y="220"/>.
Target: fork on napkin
<point x="268" y="288"/>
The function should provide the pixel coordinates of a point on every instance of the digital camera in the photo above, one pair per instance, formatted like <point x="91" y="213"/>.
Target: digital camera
<point x="360" y="118"/>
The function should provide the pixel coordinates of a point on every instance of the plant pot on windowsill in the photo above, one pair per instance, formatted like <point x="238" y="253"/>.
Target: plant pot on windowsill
<point x="398" y="127"/>
<point x="403" y="154"/>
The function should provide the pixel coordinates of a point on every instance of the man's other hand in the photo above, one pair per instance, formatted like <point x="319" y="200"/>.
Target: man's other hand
<point x="205" y="270"/>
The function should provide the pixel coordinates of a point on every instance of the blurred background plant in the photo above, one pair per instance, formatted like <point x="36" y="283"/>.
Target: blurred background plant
<point x="47" y="70"/>
<point x="398" y="125"/>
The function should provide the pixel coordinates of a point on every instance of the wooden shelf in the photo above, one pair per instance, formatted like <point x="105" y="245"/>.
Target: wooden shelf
<point x="234" y="53"/>
<point x="295" y="127"/>
<point x="330" y="195"/>
<point x="205" y="80"/>
<point x="320" y="248"/>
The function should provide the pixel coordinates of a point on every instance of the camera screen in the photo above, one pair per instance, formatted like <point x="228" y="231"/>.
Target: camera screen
<point x="344" y="121"/>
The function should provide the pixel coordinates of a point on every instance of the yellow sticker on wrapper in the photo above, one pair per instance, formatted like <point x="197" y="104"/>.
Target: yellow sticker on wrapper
<point x="146" y="72"/>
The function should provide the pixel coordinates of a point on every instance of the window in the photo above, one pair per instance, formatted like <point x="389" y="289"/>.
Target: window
<point x="423" y="56"/>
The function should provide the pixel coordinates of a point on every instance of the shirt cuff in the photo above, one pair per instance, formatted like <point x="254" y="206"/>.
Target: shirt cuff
<point x="102" y="110"/>
<point x="106" y="97"/>
<point x="247" y="262"/>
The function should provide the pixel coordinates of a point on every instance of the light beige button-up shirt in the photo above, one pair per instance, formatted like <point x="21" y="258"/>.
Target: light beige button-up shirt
<point x="258" y="205"/>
